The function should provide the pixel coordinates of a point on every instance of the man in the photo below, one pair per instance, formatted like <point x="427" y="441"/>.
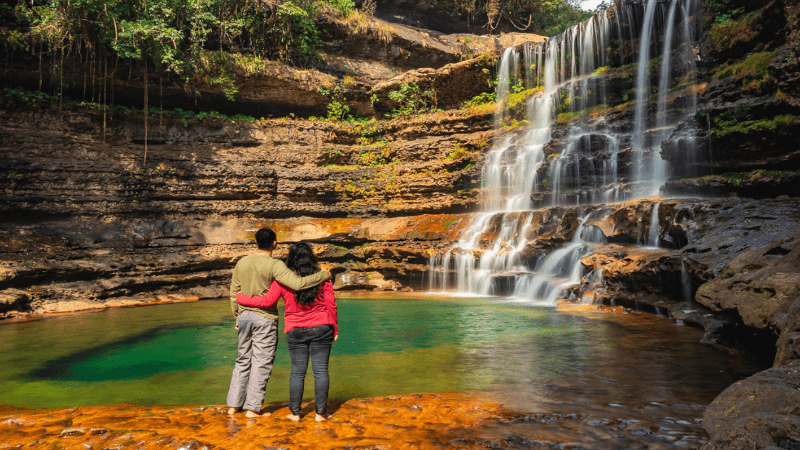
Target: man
<point x="258" y="328"/>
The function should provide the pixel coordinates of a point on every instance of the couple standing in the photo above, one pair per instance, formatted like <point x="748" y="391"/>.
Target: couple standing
<point x="311" y="324"/>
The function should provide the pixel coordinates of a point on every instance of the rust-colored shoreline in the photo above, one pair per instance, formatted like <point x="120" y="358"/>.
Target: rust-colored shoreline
<point x="29" y="316"/>
<point x="418" y="421"/>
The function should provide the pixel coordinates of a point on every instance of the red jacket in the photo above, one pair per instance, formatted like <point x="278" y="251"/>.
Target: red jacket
<point x="321" y="312"/>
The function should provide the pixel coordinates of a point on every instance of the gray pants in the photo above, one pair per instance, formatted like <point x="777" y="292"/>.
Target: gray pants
<point x="258" y="341"/>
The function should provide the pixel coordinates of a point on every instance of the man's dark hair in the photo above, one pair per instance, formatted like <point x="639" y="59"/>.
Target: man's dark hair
<point x="265" y="237"/>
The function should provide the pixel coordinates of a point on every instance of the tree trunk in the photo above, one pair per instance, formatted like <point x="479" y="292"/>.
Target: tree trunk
<point x="105" y="96"/>
<point x="145" y="109"/>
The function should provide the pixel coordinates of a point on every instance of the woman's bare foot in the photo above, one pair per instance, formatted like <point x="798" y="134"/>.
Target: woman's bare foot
<point x="232" y="411"/>
<point x="321" y="418"/>
<point x="253" y="414"/>
<point x="293" y="417"/>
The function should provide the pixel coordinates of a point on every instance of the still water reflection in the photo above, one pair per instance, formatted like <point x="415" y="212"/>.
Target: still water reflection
<point x="183" y="354"/>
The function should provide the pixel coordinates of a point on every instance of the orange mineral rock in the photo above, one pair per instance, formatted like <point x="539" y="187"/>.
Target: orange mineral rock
<point x="420" y="421"/>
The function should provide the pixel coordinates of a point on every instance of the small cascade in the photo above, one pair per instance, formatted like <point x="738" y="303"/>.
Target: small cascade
<point x="678" y="58"/>
<point x="654" y="230"/>
<point x="558" y="271"/>
<point x="686" y="284"/>
<point x="592" y="282"/>
<point x="507" y="78"/>
<point x="591" y="159"/>
<point x="476" y="266"/>
<point x="508" y="168"/>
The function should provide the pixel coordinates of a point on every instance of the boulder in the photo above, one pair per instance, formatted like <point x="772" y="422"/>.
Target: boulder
<point x="762" y="286"/>
<point x="11" y="299"/>
<point x="762" y="411"/>
<point x="365" y="281"/>
<point x="453" y="83"/>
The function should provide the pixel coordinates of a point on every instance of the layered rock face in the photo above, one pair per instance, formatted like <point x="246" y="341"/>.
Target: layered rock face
<point x="89" y="222"/>
<point x="761" y="286"/>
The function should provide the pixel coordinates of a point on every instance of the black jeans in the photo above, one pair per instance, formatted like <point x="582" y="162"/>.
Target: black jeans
<point x="314" y="342"/>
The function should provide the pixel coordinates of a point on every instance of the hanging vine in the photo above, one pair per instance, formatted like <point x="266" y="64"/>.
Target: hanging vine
<point x="190" y="39"/>
<point x="546" y="17"/>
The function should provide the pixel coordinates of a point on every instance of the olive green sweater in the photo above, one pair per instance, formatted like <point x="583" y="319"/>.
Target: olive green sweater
<point x="253" y="275"/>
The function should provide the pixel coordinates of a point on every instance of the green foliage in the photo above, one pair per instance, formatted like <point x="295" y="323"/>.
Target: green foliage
<point x="781" y="96"/>
<point x="412" y="100"/>
<point x="725" y="33"/>
<point x="604" y="70"/>
<point x="28" y="96"/>
<point x="25" y="95"/>
<point x="518" y="87"/>
<point x="753" y="65"/>
<point x="726" y="16"/>
<point x="334" y="154"/>
<point x="337" y="110"/>
<point x="739" y="177"/>
<point x="189" y="38"/>
<point x="298" y="36"/>
<point x="547" y="17"/>
<point x="459" y="152"/>
<point x="721" y="11"/>
<point x="739" y="121"/>
<point x="567" y="117"/>
<point x="345" y="7"/>
<point x="337" y="107"/>
<point x="510" y="123"/>
<point x="374" y="157"/>
<point x="518" y="98"/>
<point x="480" y="99"/>
<point x="371" y="131"/>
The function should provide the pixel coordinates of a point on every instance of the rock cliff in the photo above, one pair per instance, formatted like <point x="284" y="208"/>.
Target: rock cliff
<point x="103" y="210"/>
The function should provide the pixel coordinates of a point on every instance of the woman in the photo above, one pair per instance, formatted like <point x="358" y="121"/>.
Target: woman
<point x="311" y="327"/>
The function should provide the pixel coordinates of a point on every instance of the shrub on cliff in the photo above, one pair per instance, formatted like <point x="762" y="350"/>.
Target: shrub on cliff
<point x="411" y="100"/>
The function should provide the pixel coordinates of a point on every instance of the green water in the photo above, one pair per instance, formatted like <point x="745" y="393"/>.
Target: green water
<point x="184" y="353"/>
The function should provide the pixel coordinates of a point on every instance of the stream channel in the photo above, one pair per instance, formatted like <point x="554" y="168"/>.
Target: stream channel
<point x="596" y="379"/>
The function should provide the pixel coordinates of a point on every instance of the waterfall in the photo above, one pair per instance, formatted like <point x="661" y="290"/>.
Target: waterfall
<point x="655" y="228"/>
<point x="686" y="284"/>
<point x="658" y="169"/>
<point x="591" y="159"/>
<point x="691" y="161"/>
<point x="638" y="140"/>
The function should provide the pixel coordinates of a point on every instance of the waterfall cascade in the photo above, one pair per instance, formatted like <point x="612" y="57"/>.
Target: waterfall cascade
<point x="655" y="228"/>
<point x="583" y="81"/>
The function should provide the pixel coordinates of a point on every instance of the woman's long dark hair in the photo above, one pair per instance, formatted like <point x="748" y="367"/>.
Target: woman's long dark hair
<point x="302" y="261"/>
